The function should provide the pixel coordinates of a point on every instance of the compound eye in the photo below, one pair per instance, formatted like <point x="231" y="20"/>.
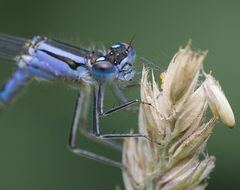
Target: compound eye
<point x="103" y="70"/>
<point x="103" y="65"/>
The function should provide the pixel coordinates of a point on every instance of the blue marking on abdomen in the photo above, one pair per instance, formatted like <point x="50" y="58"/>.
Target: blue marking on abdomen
<point x="13" y="85"/>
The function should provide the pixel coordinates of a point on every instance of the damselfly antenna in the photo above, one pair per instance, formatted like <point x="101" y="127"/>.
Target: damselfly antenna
<point x="131" y="41"/>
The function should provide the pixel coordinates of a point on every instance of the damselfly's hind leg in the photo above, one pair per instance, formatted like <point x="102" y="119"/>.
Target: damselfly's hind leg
<point x="13" y="86"/>
<point x="80" y="117"/>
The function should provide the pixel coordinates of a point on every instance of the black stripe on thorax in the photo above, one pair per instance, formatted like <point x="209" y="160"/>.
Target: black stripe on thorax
<point x="71" y="63"/>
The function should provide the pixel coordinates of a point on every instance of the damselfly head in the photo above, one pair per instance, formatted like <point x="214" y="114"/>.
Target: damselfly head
<point x="122" y="55"/>
<point x="119" y="52"/>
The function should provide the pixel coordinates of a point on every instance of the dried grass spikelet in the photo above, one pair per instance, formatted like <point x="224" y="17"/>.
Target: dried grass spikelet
<point x="175" y="119"/>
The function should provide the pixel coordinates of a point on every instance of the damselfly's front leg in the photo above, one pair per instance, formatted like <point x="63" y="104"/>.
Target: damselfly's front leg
<point x="13" y="86"/>
<point x="98" y="111"/>
<point x="117" y="91"/>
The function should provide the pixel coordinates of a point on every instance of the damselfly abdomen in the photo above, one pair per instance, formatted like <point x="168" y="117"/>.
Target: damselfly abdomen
<point x="53" y="60"/>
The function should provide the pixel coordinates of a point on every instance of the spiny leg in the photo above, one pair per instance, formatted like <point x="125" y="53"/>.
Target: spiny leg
<point x="82" y="118"/>
<point x="98" y="111"/>
<point x="80" y="115"/>
<point x="13" y="86"/>
<point x="121" y="97"/>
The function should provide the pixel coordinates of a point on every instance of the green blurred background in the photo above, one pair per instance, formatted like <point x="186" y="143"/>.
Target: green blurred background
<point x="34" y="130"/>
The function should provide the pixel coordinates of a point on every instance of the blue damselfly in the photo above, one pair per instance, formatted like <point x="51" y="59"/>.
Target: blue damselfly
<point x="90" y="70"/>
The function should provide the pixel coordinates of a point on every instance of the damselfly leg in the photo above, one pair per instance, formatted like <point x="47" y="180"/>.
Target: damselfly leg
<point x="98" y="112"/>
<point x="80" y="118"/>
<point x="117" y="91"/>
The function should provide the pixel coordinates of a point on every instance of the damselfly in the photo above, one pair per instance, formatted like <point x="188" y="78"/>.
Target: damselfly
<point x="54" y="60"/>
